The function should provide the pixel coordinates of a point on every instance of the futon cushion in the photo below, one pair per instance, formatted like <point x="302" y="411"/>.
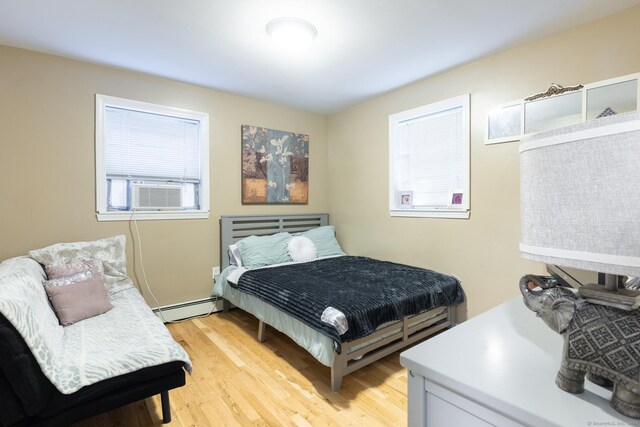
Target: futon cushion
<point x="125" y="339"/>
<point x="11" y="410"/>
<point x="22" y="373"/>
<point x="111" y="388"/>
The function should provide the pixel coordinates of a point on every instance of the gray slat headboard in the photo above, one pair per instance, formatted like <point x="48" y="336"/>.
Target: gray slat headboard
<point x="234" y="228"/>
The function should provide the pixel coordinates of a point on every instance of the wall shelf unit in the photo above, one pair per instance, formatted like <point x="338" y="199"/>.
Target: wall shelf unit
<point x="513" y="120"/>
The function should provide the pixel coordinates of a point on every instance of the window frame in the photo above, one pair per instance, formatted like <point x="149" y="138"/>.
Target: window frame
<point x="395" y="120"/>
<point x="102" y="214"/>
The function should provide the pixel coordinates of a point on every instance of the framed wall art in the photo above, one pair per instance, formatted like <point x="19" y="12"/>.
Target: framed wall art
<point x="275" y="166"/>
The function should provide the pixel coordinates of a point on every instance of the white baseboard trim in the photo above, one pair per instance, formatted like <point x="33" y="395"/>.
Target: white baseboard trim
<point x="184" y="310"/>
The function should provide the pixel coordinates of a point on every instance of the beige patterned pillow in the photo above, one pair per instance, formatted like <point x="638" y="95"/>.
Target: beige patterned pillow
<point x="110" y="251"/>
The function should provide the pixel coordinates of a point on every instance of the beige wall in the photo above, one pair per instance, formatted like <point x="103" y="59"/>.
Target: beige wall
<point x="48" y="177"/>
<point x="482" y="251"/>
<point x="47" y="167"/>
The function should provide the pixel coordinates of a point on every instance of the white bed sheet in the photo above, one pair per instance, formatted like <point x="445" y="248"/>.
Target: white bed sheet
<point x="318" y="345"/>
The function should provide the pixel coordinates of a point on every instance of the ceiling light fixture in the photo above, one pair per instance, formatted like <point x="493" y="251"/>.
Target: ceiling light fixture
<point x="292" y="34"/>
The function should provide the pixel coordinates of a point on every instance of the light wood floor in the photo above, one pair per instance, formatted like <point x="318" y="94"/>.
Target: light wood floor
<point x="238" y="381"/>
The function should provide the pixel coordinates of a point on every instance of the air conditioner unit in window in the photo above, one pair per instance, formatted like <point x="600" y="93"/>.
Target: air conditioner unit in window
<point x="156" y="196"/>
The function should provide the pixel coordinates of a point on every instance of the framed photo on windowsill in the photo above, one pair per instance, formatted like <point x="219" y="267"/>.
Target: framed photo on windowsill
<point x="456" y="199"/>
<point x="405" y="200"/>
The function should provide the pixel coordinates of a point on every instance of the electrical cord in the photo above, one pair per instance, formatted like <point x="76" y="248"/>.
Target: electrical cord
<point x="146" y="282"/>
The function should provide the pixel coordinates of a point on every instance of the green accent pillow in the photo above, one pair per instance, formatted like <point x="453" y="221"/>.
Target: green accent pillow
<point x="259" y="251"/>
<point x="325" y="240"/>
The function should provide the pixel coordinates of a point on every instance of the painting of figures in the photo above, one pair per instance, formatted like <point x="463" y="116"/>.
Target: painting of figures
<point x="275" y="166"/>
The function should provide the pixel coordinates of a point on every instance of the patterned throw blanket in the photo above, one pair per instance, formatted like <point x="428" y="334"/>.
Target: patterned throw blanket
<point x="369" y="292"/>
<point x="125" y="339"/>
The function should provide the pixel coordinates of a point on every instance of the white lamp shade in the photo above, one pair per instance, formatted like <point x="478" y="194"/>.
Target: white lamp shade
<point x="580" y="196"/>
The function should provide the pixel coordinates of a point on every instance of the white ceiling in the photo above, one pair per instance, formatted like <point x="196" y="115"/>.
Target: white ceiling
<point x="364" y="47"/>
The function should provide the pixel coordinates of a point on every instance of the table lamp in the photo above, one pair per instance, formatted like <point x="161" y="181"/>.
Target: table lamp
<point x="580" y="202"/>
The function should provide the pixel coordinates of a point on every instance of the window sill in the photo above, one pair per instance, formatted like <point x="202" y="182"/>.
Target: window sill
<point x="431" y="213"/>
<point x="151" y="215"/>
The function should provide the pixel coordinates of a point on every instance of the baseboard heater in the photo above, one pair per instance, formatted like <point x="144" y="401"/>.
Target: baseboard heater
<point x="188" y="309"/>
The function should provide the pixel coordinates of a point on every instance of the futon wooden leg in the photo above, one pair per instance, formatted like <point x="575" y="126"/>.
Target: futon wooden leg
<point x="166" y="407"/>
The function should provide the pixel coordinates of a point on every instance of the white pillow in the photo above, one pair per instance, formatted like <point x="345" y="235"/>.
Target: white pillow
<point x="235" y="258"/>
<point x="302" y="249"/>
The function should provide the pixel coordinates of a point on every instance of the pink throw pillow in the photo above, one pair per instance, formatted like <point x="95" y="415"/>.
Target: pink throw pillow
<point x="78" y="297"/>
<point x="57" y="271"/>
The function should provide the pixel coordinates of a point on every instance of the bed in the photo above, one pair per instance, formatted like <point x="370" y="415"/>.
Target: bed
<point x="342" y="357"/>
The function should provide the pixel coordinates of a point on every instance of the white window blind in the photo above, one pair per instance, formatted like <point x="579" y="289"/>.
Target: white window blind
<point x="429" y="158"/>
<point x="143" y="145"/>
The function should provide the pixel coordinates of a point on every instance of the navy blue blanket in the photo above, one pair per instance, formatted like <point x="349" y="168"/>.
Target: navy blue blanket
<point x="369" y="292"/>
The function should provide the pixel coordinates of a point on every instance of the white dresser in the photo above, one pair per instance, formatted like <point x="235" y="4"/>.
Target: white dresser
<point x="499" y="368"/>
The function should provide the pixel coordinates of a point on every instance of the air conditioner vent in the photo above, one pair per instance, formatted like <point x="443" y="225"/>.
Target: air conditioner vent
<point x="157" y="196"/>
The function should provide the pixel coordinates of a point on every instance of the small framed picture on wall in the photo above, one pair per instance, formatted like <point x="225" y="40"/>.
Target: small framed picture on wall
<point x="405" y="199"/>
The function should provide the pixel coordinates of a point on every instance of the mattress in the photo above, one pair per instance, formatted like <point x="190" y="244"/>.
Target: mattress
<point x="318" y="345"/>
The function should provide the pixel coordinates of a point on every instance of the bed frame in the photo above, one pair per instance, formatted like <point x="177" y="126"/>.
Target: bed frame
<point x="401" y="334"/>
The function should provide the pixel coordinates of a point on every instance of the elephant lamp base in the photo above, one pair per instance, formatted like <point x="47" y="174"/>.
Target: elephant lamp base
<point x="601" y="342"/>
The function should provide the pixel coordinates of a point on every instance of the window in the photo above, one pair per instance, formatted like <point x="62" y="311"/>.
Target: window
<point x="150" y="159"/>
<point x="429" y="160"/>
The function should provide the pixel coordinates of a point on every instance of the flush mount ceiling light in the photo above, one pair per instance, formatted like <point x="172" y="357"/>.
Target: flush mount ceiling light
<point x="292" y="34"/>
